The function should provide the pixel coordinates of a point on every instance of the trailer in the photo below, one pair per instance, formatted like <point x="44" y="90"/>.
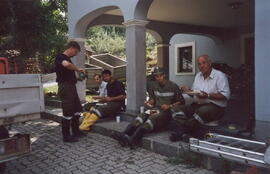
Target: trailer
<point x="21" y="100"/>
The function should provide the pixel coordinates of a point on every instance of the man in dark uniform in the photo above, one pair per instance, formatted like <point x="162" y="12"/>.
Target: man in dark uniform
<point x="65" y="76"/>
<point x="112" y="103"/>
<point x="164" y="96"/>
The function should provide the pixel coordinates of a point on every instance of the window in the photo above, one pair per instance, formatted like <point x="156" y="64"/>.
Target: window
<point x="185" y="58"/>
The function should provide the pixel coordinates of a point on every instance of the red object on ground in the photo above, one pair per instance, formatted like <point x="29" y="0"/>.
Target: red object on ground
<point x="252" y="170"/>
<point x="7" y="66"/>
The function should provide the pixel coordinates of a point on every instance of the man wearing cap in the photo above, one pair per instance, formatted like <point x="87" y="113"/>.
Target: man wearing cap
<point x="66" y="79"/>
<point x="211" y="92"/>
<point x="112" y="103"/>
<point x="164" y="96"/>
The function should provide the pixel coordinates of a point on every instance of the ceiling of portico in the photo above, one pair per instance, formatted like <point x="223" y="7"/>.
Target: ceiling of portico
<point x="214" y="13"/>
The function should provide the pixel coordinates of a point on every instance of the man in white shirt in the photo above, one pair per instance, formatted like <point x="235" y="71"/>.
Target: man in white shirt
<point x="210" y="91"/>
<point x="102" y="86"/>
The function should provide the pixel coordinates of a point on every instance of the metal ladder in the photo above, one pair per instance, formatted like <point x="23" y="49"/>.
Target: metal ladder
<point x="244" y="151"/>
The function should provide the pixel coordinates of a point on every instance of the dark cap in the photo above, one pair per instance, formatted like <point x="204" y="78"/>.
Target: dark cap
<point x="158" y="70"/>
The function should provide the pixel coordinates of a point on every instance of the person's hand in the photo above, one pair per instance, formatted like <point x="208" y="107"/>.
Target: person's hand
<point x="81" y="70"/>
<point x="184" y="88"/>
<point x="96" y="97"/>
<point x="108" y="99"/>
<point x="149" y="103"/>
<point x="105" y="99"/>
<point x="202" y="95"/>
<point x="102" y="99"/>
<point x="165" y="107"/>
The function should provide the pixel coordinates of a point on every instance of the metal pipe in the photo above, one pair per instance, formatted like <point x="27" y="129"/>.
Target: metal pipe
<point x="232" y="148"/>
<point x="228" y="154"/>
<point x="239" y="139"/>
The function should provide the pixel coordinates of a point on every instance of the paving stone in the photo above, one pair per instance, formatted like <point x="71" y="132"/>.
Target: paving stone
<point x="94" y="153"/>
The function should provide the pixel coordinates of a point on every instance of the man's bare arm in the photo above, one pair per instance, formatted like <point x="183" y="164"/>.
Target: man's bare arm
<point x="71" y="66"/>
<point x="116" y="98"/>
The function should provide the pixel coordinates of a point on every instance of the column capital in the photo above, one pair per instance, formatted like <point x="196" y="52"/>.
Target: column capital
<point x="77" y="39"/>
<point x="163" y="45"/>
<point x="135" y="22"/>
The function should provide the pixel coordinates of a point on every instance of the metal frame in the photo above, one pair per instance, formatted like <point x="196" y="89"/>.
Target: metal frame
<point x="249" y="152"/>
<point x="14" y="147"/>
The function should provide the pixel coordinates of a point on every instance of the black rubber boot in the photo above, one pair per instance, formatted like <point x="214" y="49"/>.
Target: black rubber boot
<point x="191" y="124"/>
<point x="178" y="129"/>
<point x="75" y="127"/>
<point x="3" y="132"/>
<point x="136" y="137"/>
<point x="181" y="131"/>
<point x="70" y="139"/>
<point x="66" y="132"/>
<point x="65" y="128"/>
<point x="119" y="136"/>
<point x="131" y="128"/>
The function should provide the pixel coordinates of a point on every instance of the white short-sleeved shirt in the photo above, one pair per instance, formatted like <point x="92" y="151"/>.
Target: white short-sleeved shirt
<point x="103" y="89"/>
<point x="217" y="82"/>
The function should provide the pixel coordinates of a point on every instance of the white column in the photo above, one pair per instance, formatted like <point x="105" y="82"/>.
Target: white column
<point x="163" y="56"/>
<point x="136" y="67"/>
<point x="262" y="61"/>
<point x="79" y="61"/>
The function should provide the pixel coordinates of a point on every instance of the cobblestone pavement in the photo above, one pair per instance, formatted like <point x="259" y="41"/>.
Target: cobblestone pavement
<point x="92" y="154"/>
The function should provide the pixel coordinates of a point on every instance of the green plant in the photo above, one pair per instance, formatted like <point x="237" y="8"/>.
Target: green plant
<point x="34" y="29"/>
<point x="110" y="39"/>
<point x="50" y="89"/>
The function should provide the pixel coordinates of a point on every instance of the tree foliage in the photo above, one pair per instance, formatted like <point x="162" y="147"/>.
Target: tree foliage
<point x="107" y="40"/>
<point x="110" y="39"/>
<point x="38" y="29"/>
<point x="35" y="28"/>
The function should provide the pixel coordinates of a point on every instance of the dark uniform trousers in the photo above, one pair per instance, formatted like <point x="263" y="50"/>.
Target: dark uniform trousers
<point x="153" y="122"/>
<point x="189" y="118"/>
<point x="107" y="109"/>
<point x="70" y="105"/>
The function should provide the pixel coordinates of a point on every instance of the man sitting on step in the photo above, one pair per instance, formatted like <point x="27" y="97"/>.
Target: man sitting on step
<point x="210" y="91"/>
<point x="112" y="103"/>
<point x="164" y="96"/>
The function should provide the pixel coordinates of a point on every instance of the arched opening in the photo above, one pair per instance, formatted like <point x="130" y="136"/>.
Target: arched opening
<point x="111" y="39"/>
<point x="82" y="25"/>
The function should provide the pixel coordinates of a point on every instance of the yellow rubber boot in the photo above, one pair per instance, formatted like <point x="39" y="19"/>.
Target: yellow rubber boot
<point x="88" y="121"/>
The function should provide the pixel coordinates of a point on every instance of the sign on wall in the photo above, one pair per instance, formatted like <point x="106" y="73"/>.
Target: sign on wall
<point x="185" y="58"/>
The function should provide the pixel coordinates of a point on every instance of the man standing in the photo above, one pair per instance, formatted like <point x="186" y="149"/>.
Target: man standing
<point x="164" y="97"/>
<point x="211" y="92"/>
<point x="112" y="103"/>
<point x="65" y="76"/>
